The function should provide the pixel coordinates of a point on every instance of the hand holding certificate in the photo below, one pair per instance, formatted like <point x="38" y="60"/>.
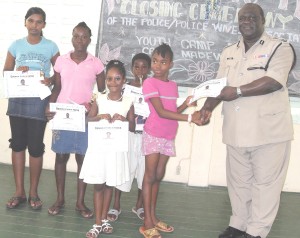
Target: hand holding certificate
<point x="24" y="84"/>
<point x="70" y="117"/>
<point x="211" y="88"/>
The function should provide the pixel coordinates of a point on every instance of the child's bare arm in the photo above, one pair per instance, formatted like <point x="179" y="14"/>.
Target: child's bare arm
<point x="131" y="119"/>
<point x="186" y="104"/>
<point x="162" y="112"/>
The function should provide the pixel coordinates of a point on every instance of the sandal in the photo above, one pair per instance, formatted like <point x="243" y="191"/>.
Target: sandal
<point x="106" y="227"/>
<point x="35" y="203"/>
<point x="85" y="213"/>
<point x="94" y="232"/>
<point x="113" y="214"/>
<point x="150" y="233"/>
<point x="55" y="209"/>
<point x="161" y="226"/>
<point x="14" y="202"/>
<point x="139" y="212"/>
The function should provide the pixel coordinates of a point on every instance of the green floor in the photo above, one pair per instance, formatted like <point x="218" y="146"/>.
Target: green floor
<point x="194" y="212"/>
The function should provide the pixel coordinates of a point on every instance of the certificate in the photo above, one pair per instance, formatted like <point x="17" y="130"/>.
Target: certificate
<point x="105" y="136"/>
<point x="211" y="88"/>
<point x="24" y="84"/>
<point x="140" y="106"/>
<point x="69" y="117"/>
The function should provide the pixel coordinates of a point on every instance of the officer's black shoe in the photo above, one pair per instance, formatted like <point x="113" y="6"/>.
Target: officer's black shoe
<point x="246" y="235"/>
<point x="232" y="232"/>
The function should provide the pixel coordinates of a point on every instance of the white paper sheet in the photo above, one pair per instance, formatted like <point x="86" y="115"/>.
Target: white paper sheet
<point x="211" y="88"/>
<point x="140" y="106"/>
<point x="105" y="136"/>
<point x="24" y="84"/>
<point x="70" y="117"/>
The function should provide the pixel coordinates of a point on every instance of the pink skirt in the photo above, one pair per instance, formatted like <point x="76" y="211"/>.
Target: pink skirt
<point x="153" y="145"/>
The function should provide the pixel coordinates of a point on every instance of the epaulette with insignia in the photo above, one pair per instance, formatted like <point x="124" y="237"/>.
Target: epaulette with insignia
<point x="280" y="39"/>
<point x="236" y="43"/>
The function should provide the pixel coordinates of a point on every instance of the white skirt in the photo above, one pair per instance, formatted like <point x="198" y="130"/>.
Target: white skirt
<point x="136" y="162"/>
<point x="108" y="167"/>
<point x="137" y="156"/>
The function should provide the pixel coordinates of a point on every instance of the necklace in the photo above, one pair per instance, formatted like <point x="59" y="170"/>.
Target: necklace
<point x="118" y="100"/>
<point x="141" y="80"/>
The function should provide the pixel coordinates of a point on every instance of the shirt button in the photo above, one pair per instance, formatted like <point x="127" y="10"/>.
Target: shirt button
<point x="241" y="74"/>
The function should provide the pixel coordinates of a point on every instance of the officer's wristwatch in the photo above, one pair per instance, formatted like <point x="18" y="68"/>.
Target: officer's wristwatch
<point x="239" y="92"/>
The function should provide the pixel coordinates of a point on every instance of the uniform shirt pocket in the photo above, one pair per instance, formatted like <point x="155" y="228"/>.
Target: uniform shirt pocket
<point x="272" y="110"/>
<point x="231" y="66"/>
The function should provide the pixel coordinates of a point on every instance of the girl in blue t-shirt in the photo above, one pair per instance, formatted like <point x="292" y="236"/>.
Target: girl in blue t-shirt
<point x="27" y="114"/>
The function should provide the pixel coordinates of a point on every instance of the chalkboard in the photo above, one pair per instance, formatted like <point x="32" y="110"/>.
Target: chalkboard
<point x="197" y="31"/>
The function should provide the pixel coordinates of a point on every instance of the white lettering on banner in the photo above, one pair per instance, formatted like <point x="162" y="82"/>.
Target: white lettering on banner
<point x="197" y="31"/>
<point x="150" y="8"/>
<point x="200" y="55"/>
<point x="152" y="41"/>
<point x="128" y="21"/>
<point x="195" y="44"/>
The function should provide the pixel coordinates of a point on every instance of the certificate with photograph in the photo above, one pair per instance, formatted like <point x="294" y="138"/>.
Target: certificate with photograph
<point x="210" y="88"/>
<point x="24" y="84"/>
<point x="69" y="117"/>
<point x="109" y="136"/>
<point x="140" y="106"/>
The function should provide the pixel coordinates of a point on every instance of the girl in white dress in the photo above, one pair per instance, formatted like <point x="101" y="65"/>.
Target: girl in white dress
<point x="108" y="169"/>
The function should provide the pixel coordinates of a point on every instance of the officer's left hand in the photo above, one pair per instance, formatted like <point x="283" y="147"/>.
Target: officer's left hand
<point x="228" y="93"/>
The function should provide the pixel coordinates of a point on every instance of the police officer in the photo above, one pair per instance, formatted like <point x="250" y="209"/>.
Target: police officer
<point x="257" y="127"/>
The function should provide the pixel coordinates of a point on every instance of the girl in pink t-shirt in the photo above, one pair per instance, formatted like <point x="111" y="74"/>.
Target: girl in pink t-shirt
<point x="159" y="133"/>
<point x="76" y="73"/>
